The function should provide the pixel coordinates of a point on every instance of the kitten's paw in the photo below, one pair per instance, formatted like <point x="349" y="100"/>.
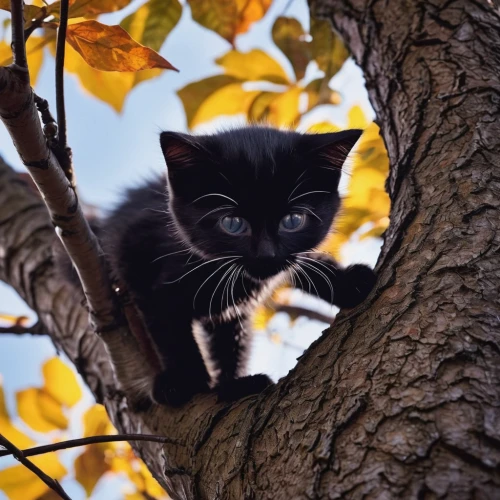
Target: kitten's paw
<point x="356" y="284"/>
<point x="234" y="389"/>
<point x="173" y="389"/>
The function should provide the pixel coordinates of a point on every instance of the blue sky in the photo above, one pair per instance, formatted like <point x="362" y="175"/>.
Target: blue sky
<point x="113" y="151"/>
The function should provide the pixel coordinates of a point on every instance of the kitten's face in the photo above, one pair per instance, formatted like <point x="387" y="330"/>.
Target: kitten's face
<point x="258" y="194"/>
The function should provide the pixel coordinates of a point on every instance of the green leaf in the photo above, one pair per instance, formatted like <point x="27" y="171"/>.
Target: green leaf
<point x="327" y="48"/>
<point x="151" y="23"/>
<point x="290" y="37"/>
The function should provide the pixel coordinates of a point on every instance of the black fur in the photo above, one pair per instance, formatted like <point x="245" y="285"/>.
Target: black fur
<point x="197" y="285"/>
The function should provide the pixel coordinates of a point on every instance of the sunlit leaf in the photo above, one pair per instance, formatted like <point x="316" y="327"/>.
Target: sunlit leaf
<point x="228" y="18"/>
<point x="366" y="200"/>
<point x="34" y="53"/>
<point x="193" y="94"/>
<point x="259" y="109"/>
<point x="150" y="26"/>
<point x="30" y="11"/>
<point x="229" y="100"/>
<point x="89" y="8"/>
<point x="326" y="47"/>
<point x="254" y="65"/>
<point x="250" y="11"/>
<point x="108" y="86"/>
<point x="96" y="422"/>
<point x="61" y="382"/>
<point x="90" y="467"/>
<point x="290" y="37"/>
<point x="318" y="92"/>
<point x="8" y="429"/>
<point x="323" y="128"/>
<point x="153" y="21"/>
<point x="283" y="111"/>
<point x="40" y="410"/>
<point x="110" y="48"/>
<point x="262" y="316"/>
<point x="19" y="483"/>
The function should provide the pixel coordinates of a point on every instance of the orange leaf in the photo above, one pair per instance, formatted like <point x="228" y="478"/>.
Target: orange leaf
<point x="110" y="48"/>
<point x="90" y="467"/>
<point x="88" y="8"/>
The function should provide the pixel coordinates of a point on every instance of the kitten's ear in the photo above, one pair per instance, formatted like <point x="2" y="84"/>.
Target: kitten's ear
<point x="333" y="147"/>
<point x="180" y="150"/>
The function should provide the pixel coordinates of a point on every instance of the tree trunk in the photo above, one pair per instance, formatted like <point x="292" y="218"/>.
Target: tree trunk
<point x="401" y="397"/>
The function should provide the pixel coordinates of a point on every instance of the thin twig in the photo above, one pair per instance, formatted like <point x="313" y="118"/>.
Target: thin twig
<point x="60" y="50"/>
<point x="295" y="311"/>
<point x="35" y="23"/>
<point x="18" y="45"/>
<point x="74" y="443"/>
<point x="36" y="329"/>
<point x="18" y="454"/>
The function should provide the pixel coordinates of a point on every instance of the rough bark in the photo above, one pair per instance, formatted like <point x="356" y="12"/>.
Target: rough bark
<point x="401" y="397"/>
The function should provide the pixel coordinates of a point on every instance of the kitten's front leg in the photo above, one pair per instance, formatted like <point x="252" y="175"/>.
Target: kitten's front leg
<point x="225" y="347"/>
<point x="321" y="275"/>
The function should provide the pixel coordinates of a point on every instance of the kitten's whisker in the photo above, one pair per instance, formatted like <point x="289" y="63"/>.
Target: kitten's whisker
<point x="236" y="308"/>
<point x="296" y="268"/>
<point x="311" y="212"/>
<point x="322" y="274"/>
<point x="308" y="193"/>
<point x="295" y="188"/>
<point x="201" y="265"/>
<point x="171" y="253"/>
<point x="214" y="194"/>
<point x="216" y="271"/>
<point x="222" y="207"/>
<point x="328" y="268"/>
<point x="311" y="282"/>
<point x="215" y="290"/>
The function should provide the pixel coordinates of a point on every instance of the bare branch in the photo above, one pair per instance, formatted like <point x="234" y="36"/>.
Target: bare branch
<point x="18" y="329"/>
<point x="60" y="51"/>
<point x="18" y="44"/>
<point x="74" y="443"/>
<point x="295" y="311"/>
<point x="18" y="454"/>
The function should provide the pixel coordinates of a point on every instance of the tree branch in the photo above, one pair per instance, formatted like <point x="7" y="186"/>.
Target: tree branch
<point x="18" y="43"/>
<point x="20" y="116"/>
<point x="18" y="454"/>
<point x="36" y="329"/>
<point x="60" y="51"/>
<point x="74" y="443"/>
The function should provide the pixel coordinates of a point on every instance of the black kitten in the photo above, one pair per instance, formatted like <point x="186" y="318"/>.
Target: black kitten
<point x="241" y="211"/>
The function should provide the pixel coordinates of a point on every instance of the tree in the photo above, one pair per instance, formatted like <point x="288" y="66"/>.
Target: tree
<point x="400" y="398"/>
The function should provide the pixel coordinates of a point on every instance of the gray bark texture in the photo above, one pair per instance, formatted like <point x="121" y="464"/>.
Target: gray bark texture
<point x="400" y="398"/>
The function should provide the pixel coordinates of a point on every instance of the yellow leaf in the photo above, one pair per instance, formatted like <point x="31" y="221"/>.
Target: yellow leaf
<point x="327" y="48"/>
<point x="34" y="53"/>
<point x="96" y="422"/>
<point x="262" y="316"/>
<point x="284" y="110"/>
<point x="229" y="100"/>
<point x="228" y="18"/>
<point x="89" y="8"/>
<point x="193" y="94"/>
<point x="108" y="86"/>
<point x="10" y="431"/>
<point x="253" y="66"/>
<point x="61" y="382"/>
<point x="259" y="109"/>
<point x="90" y="466"/>
<point x="40" y="410"/>
<point x="318" y="92"/>
<point x="356" y="118"/>
<point x="323" y="128"/>
<point x="289" y="36"/>
<point x="110" y="48"/>
<point x="19" y="483"/>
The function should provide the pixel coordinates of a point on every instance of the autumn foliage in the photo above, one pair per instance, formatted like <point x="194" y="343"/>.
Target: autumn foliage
<point x="109" y="61"/>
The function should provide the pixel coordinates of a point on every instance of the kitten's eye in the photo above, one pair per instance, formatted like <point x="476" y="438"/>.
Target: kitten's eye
<point x="292" y="222"/>
<point x="234" y="225"/>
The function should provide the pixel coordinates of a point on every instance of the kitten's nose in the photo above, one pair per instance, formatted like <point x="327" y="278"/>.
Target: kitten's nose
<point x="266" y="249"/>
